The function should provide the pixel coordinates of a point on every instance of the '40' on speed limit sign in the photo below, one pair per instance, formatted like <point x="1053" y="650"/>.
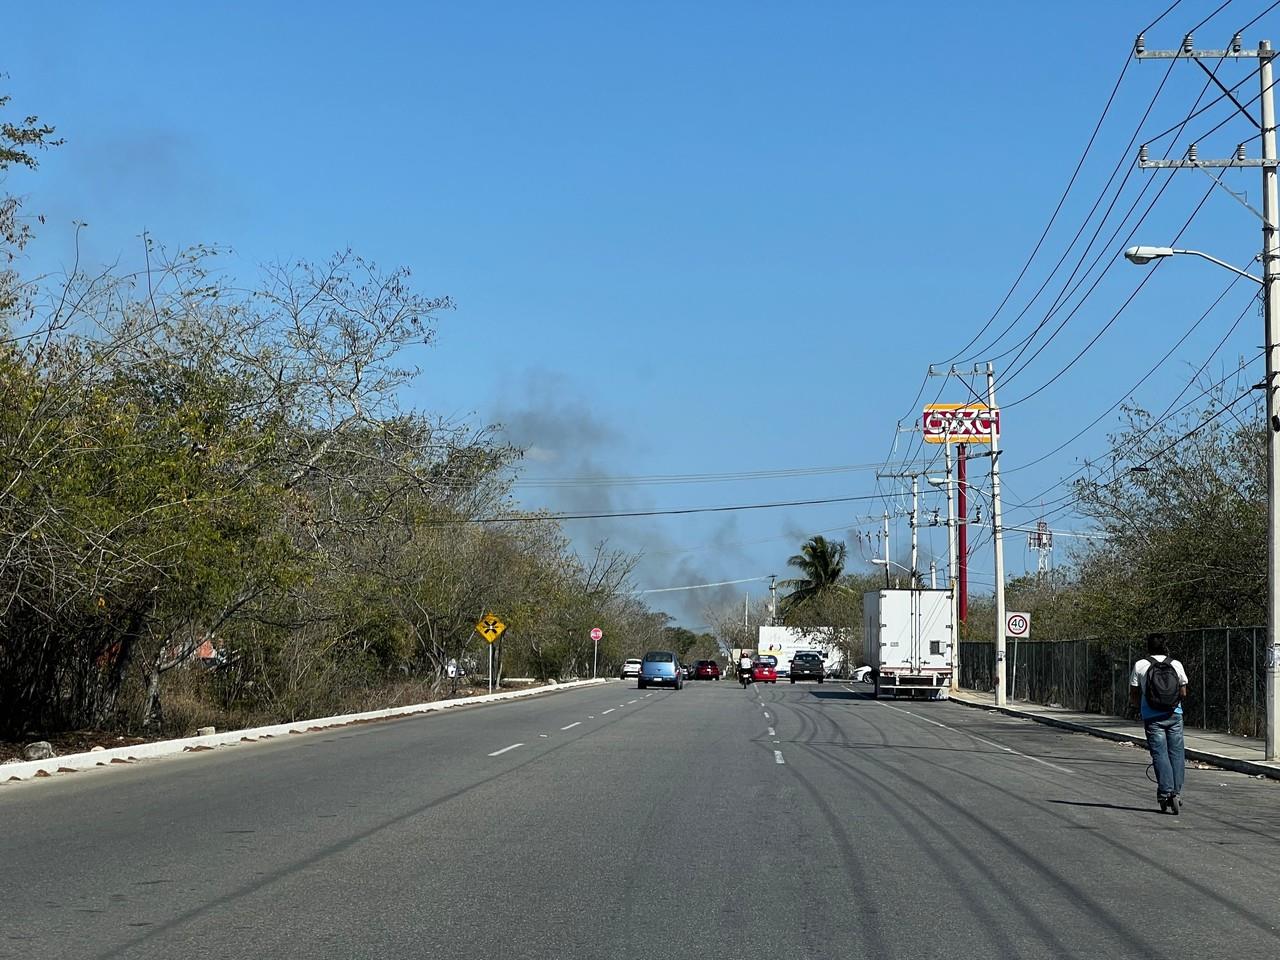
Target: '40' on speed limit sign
<point x="1018" y="625"/>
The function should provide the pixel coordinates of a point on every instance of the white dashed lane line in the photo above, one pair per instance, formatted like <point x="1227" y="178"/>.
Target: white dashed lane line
<point x="572" y="725"/>
<point x="777" y="757"/>
<point x="609" y="711"/>
<point x="771" y="733"/>
<point x="637" y="700"/>
<point x="498" y="753"/>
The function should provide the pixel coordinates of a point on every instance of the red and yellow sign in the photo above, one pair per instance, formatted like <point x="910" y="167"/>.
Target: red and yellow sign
<point x="960" y="423"/>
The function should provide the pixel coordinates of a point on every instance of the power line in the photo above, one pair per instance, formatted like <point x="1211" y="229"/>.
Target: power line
<point x="1146" y="376"/>
<point x="544" y="517"/>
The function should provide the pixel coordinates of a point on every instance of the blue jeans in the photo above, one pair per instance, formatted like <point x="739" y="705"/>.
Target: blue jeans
<point x="1168" y="753"/>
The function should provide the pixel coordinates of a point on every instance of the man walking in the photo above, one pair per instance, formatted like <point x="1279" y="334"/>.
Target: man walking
<point x="1157" y="686"/>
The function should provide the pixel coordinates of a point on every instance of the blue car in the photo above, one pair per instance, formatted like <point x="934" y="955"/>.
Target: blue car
<point x="660" y="667"/>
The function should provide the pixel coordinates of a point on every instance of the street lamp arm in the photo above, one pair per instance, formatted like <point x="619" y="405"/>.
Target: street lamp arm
<point x="880" y="562"/>
<point x="1222" y="263"/>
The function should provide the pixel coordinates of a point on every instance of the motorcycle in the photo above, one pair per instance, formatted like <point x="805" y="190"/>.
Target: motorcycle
<point x="744" y="677"/>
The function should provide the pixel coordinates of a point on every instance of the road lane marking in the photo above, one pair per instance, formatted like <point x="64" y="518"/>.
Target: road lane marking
<point x="648" y="695"/>
<point x="609" y="711"/>
<point x="777" y="757"/>
<point x="637" y="700"/>
<point x="498" y="753"/>
<point x="572" y="725"/>
<point x="990" y="743"/>
<point x="767" y="717"/>
<point x="544" y="736"/>
<point x="771" y="733"/>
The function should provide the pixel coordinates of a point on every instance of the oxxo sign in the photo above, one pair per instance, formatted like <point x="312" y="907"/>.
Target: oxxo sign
<point x="959" y="423"/>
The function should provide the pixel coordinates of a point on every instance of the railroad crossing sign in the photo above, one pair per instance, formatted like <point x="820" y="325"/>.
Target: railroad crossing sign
<point x="1018" y="625"/>
<point x="597" y="634"/>
<point x="490" y="627"/>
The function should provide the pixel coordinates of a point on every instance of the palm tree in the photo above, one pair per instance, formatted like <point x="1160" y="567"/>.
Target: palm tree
<point x="821" y="561"/>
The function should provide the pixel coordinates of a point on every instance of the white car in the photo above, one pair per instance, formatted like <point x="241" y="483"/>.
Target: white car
<point x="631" y="668"/>
<point x="863" y="675"/>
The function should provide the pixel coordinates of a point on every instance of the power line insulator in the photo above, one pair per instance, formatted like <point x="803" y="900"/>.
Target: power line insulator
<point x="1143" y="154"/>
<point x="1240" y="151"/>
<point x="1191" y="153"/>
<point x="1140" y="44"/>
<point x="1237" y="43"/>
<point x="1188" y="44"/>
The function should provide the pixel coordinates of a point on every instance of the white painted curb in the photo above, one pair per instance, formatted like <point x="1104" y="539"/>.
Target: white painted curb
<point x="74" y="762"/>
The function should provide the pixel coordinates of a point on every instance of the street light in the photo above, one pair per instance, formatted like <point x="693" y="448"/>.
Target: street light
<point x="1144" y="255"/>
<point x="881" y="562"/>
<point x="1271" y="317"/>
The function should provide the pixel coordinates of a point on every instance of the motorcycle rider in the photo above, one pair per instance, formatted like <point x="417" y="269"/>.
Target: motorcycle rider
<point x="744" y="668"/>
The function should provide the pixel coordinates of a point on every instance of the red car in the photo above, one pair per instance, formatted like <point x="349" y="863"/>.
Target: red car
<point x="706" y="670"/>
<point x="762" y="672"/>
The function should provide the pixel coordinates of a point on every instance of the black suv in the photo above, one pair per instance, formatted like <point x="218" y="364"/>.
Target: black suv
<point x="807" y="666"/>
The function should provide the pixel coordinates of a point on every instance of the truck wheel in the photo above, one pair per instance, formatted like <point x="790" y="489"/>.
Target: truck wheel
<point x="875" y="692"/>
<point x="820" y="679"/>
<point x="793" y="679"/>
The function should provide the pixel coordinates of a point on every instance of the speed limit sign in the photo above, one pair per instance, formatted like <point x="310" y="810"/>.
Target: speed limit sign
<point x="1018" y="625"/>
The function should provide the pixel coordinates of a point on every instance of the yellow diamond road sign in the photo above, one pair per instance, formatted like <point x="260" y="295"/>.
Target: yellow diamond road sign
<point x="490" y="627"/>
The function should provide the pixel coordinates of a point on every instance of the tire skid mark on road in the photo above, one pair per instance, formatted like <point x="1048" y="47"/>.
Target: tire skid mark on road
<point x="1037" y="866"/>
<point x="1091" y="908"/>
<point x="990" y="743"/>
<point x="910" y="819"/>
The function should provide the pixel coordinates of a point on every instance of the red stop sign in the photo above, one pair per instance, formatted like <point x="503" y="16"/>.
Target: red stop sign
<point x="596" y="634"/>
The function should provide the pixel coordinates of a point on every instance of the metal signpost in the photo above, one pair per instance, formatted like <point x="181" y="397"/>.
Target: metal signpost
<point x="596" y="636"/>
<point x="1018" y="626"/>
<point x="490" y="627"/>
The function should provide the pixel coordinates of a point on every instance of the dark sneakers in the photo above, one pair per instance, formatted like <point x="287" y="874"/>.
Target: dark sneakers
<point x="1171" y="804"/>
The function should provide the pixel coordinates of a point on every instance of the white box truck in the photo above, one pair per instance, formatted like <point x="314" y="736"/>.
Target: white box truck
<point x="910" y="641"/>
<point x="785" y="642"/>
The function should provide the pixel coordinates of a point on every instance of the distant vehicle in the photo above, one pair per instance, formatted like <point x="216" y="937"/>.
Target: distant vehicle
<point x="863" y="675"/>
<point x="706" y="670"/>
<point x="630" y="668"/>
<point x="660" y="668"/>
<point x="764" y="672"/>
<point x="909" y="641"/>
<point x="686" y="671"/>
<point x="785" y="642"/>
<point x="807" y="665"/>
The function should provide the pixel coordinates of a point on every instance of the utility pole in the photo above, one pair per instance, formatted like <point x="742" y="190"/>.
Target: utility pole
<point x="997" y="534"/>
<point x="933" y="575"/>
<point x="962" y="535"/>
<point x="1271" y="313"/>
<point x="915" y="523"/>
<point x="886" y="549"/>
<point x="916" y="579"/>
<point x="773" y="599"/>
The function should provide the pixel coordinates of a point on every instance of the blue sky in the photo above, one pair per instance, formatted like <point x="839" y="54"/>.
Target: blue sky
<point x="684" y="238"/>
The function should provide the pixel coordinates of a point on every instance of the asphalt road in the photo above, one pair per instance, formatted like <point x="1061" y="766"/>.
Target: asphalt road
<point x="789" y="821"/>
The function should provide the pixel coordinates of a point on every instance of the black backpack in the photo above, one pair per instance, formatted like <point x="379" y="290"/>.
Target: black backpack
<point x="1164" y="686"/>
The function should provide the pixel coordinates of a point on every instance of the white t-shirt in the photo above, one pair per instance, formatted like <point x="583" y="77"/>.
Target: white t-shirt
<point x="745" y="663"/>
<point x="1138" y="678"/>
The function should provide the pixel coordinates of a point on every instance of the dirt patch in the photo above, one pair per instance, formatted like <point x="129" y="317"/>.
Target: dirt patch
<point x="76" y="741"/>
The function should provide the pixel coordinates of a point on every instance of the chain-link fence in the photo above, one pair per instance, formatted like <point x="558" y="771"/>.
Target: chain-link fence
<point x="1224" y="664"/>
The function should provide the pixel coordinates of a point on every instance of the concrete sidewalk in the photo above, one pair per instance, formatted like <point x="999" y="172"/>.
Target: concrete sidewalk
<point x="1229" y="751"/>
